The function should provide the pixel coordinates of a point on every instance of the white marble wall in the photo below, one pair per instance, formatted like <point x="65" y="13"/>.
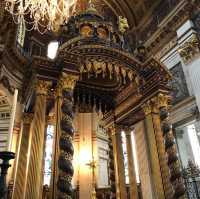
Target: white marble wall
<point x="192" y="66"/>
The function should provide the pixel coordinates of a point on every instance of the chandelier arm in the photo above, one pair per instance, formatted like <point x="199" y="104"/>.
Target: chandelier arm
<point x="43" y="14"/>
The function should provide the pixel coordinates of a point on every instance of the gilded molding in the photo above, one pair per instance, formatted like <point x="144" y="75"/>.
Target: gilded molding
<point x="42" y="87"/>
<point x="189" y="49"/>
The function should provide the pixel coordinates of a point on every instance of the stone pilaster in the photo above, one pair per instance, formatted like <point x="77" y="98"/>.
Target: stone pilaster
<point x="66" y="150"/>
<point x="131" y="165"/>
<point x="158" y="160"/>
<point x="22" y="161"/>
<point x="35" y="169"/>
<point x="119" y="162"/>
<point x="170" y="147"/>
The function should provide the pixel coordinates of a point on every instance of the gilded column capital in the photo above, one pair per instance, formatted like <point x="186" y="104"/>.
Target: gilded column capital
<point x="163" y="100"/>
<point x="189" y="49"/>
<point x="147" y="108"/>
<point x="154" y="104"/>
<point x="68" y="81"/>
<point x="42" y="87"/>
<point x="27" y="118"/>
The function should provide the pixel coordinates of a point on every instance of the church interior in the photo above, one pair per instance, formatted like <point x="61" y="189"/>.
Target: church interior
<point x="99" y="99"/>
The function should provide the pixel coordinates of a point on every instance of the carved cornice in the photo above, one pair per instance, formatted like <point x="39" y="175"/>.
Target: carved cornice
<point x="166" y="30"/>
<point x="189" y="49"/>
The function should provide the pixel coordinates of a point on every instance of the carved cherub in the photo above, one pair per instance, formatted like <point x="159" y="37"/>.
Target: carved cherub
<point x="123" y="24"/>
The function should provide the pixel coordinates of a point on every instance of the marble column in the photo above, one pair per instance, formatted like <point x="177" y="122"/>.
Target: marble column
<point x="131" y="165"/>
<point x="66" y="150"/>
<point x="35" y="169"/>
<point x="119" y="162"/>
<point x="22" y="160"/>
<point x="158" y="160"/>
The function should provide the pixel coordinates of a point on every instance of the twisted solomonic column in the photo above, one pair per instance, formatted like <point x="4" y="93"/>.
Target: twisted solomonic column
<point x="170" y="146"/>
<point x="112" y="170"/>
<point x="66" y="150"/>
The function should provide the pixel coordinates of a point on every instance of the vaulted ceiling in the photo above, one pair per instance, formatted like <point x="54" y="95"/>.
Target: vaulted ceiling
<point x="134" y="10"/>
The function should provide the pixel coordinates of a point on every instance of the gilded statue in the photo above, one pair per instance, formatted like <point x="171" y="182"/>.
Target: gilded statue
<point x="123" y="24"/>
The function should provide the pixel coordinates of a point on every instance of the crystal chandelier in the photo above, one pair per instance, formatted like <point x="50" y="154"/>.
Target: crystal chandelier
<point x="41" y="15"/>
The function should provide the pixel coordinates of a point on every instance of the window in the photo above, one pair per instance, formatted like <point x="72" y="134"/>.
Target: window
<point x="126" y="157"/>
<point x="187" y="138"/>
<point x="48" y="154"/>
<point x="135" y="157"/>
<point x="52" y="50"/>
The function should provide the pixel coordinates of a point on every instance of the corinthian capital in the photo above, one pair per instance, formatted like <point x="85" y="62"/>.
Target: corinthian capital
<point x="147" y="107"/>
<point x="154" y="104"/>
<point x="68" y="81"/>
<point x="163" y="100"/>
<point x="189" y="49"/>
<point x="42" y="87"/>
